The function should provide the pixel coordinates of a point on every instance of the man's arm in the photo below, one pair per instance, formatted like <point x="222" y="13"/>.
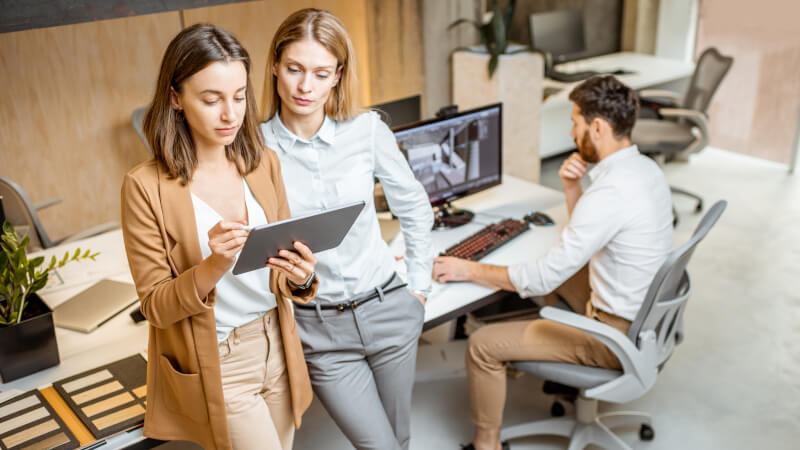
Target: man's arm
<point x="448" y="268"/>
<point x="571" y="172"/>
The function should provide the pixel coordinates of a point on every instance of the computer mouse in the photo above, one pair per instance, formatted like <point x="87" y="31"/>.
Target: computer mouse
<point x="538" y="218"/>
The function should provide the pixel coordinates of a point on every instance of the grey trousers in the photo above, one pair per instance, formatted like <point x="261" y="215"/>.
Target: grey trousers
<point x="361" y="363"/>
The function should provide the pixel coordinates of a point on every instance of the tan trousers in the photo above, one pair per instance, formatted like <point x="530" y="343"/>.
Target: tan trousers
<point x="533" y="340"/>
<point x="255" y="385"/>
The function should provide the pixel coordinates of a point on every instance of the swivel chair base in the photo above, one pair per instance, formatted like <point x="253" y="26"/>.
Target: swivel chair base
<point x="587" y="427"/>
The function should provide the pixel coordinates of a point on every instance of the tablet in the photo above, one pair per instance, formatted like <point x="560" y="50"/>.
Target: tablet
<point x="320" y="231"/>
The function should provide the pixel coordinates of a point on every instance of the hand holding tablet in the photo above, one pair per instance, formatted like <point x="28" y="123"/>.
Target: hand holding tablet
<point x="317" y="232"/>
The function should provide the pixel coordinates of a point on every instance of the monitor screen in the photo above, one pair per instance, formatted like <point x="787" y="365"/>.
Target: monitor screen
<point x="559" y="33"/>
<point x="455" y="156"/>
<point x="400" y="112"/>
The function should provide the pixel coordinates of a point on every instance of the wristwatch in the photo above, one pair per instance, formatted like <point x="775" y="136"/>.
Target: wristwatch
<point x="305" y="285"/>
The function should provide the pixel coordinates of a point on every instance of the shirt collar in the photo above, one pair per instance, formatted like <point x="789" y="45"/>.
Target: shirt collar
<point x="614" y="158"/>
<point x="287" y="139"/>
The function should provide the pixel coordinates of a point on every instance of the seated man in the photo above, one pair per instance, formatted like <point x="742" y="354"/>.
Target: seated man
<point x="621" y="226"/>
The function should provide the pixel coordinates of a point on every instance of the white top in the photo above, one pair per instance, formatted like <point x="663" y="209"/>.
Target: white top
<point x="339" y="165"/>
<point x="621" y="225"/>
<point x="240" y="298"/>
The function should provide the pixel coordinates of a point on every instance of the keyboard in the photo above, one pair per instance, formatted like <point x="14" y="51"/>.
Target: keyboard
<point x="568" y="77"/>
<point x="487" y="240"/>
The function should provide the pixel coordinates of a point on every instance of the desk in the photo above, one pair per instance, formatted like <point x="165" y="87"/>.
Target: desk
<point x="514" y="198"/>
<point x="649" y="72"/>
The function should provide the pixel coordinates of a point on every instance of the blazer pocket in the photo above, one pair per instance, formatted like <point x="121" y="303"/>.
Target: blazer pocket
<point x="183" y="392"/>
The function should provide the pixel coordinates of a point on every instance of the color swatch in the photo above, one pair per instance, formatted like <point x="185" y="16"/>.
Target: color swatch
<point x="28" y="421"/>
<point x="110" y="398"/>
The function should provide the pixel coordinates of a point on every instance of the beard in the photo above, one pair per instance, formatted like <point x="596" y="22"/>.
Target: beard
<point x="586" y="148"/>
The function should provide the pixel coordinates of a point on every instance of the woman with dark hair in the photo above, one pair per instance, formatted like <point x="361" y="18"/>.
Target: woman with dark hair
<point x="360" y="333"/>
<point x="225" y="364"/>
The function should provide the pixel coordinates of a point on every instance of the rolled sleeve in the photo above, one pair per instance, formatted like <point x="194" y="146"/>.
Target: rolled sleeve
<point x="408" y="201"/>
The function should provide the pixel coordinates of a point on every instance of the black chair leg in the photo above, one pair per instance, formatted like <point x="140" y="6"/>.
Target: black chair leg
<point x="699" y="207"/>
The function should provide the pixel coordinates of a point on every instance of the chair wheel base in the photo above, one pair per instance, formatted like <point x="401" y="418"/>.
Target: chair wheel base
<point x="646" y="432"/>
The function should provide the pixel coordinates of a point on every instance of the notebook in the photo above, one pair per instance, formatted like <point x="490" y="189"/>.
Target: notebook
<point x="93" y="306"/>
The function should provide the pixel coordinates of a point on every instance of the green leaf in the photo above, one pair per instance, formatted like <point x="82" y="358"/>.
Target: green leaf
<point x="493" y="64"/>
<point x="76" y="255"/>
<point x="64" y="259"/>
<point x="509" y="15"/>
<point x="36" y="262"/>
<point x="460" y="21"/>
<point x="53" y="262"/>
<point x="499" y="30"/>
<point x="86" y="253"/>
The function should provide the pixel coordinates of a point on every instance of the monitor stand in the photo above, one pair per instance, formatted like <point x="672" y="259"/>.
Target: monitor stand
<point x="447" y="216"/>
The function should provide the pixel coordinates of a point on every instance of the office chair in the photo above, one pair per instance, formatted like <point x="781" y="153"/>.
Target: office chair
<point x="680" y="127"/>
<point x="651" y="339"/>
<point x="137" y="120"/>
<point x="22" y="213"/>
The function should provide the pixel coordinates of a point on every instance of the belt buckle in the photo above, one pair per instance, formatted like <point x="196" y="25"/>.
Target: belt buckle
<point x="341" y="307"/>
<point x="354" y="305"/>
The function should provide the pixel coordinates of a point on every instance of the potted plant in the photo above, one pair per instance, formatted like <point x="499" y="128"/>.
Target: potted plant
<point x="515" y="77"/>
<point x="27" y="334"/>
<point x="494" y="36"/>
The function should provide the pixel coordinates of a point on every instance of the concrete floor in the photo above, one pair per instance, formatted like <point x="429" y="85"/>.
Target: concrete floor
<point x="734" y="383"/>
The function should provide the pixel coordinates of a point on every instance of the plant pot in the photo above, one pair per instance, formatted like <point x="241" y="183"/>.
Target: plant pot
<point x="517" y="83"/>
<point x="28" y="346"/>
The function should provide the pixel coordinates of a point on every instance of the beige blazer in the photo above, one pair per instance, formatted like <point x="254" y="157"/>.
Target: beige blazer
<point x="184" y="383"/>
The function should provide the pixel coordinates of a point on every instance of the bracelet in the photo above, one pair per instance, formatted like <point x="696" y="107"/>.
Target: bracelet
<point x="305" y="285"/>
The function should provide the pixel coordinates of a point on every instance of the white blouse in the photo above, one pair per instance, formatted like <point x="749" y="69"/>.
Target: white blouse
<point x="240" y="298"/>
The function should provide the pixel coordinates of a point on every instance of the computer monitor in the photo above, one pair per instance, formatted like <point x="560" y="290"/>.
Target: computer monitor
<point x="400" y="112"/>
<point x="559" y="33"/>
<point x="455" y="156"/>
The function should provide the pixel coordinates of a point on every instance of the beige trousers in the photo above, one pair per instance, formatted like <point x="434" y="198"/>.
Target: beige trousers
<point x="535" y="340"/>
<point x="255" y="385"/>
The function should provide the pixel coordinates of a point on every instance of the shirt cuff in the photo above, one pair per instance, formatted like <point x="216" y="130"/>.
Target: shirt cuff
<point x="420" y="283"/>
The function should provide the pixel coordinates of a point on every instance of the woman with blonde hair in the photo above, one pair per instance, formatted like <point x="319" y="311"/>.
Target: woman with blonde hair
<point x="360" y="333"/>
<point x="225" y="365"/>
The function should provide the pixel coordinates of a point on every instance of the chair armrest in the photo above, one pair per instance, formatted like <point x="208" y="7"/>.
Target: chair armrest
<point x="654" y="94"/>
<point x="46" y="203"/>
<point x="699" y="119"/>
<point x="99" y="229"/>
<point x="639" y="372"/>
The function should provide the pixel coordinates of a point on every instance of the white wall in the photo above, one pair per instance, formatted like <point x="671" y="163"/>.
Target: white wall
<point x="677" y="29"/>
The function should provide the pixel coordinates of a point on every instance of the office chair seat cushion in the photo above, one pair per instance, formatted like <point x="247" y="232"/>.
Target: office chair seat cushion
<point x="662" y="136"/>
<point x="575" y="375"/>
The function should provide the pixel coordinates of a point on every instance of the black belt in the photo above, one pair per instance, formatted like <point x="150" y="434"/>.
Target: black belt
<point x="359" y="299"/>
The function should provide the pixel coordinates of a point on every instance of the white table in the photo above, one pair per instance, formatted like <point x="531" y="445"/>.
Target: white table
<point x="649" y="72"/>
<point x="514" y="198"/>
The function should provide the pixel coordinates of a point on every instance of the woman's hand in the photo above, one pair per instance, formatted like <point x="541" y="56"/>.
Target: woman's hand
<point x="226" y="240"/>
<point x="297" y="266"/>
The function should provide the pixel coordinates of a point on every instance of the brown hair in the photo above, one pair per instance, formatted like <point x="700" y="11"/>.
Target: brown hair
<point x="325" y="28"/>
<point x="192" y="50"/>
<point x="609" y="99"/>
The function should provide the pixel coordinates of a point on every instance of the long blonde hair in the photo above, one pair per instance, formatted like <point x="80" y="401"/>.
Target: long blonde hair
<point x="326" y="29"/>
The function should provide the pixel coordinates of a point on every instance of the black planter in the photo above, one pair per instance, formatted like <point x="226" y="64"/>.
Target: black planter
<point x="28" y="346"/>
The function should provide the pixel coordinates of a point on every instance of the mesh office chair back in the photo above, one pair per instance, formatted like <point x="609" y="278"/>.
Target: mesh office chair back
<point x="21" y="213"/>
<point x="665" y="301"/>
<point x="708" y="74"/>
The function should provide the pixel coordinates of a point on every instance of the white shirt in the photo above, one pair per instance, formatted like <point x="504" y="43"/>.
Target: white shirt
<point x="621" y="225"/>
<point x="339" y="165"/>
<point x="240" y="298"/>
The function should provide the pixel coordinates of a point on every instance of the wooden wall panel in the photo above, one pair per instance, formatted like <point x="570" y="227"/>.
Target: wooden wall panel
<point x="68" y="91"/>
<point x="395" y="49"/>
<point x="65" y="128"/>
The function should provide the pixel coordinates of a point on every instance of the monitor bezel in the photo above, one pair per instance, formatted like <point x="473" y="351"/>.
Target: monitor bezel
<point x="474" y="190"/>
